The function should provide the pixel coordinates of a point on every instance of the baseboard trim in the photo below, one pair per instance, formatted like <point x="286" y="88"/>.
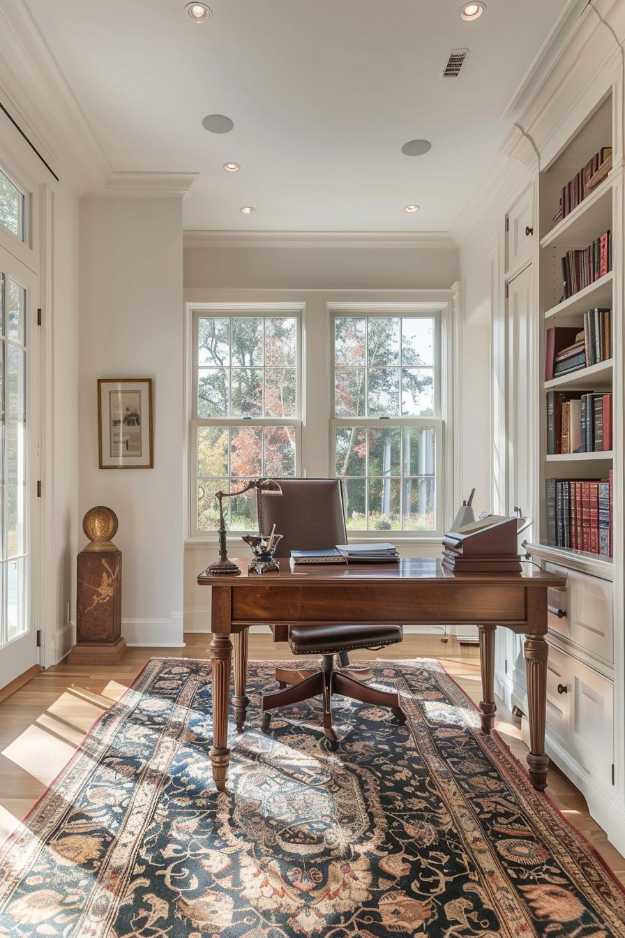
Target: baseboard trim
<point x="19" y="682"/>
<point x="156" y="644"/>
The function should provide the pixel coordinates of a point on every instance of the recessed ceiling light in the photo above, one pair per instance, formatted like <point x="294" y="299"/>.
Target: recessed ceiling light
<point x="472" y="11"/>
<point x="248" y="210"/>
<point x="416" y="147"/>
<point x="198" y="12"/>
<point x="232" y="167"/>
<point x="412" y="208"/>
<point x="218" y="123"/>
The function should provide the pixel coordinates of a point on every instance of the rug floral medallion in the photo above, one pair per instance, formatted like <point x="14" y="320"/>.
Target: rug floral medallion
<point x="424" y="829"/>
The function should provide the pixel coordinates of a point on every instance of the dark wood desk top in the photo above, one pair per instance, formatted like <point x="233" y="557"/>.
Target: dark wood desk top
<point x="405" y="572"/>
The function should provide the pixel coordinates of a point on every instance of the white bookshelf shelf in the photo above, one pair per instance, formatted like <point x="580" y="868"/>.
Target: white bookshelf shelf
<point x="598" y="293"/>
<point x="594" y="564"/>
<point x="599" y="375"/>
<point x="580" y="457"/>
<point x="591" y="218"/>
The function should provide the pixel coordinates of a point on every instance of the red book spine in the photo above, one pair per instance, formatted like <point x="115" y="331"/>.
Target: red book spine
<point x="580" y="518"/>
<point x="607" y="421"/>
<point x="603" y="255"/>
<point x="572" y="516"/>
<point x="585" y="516"/>
<point x="550" y="352"/>
<point x="594" y="516"/>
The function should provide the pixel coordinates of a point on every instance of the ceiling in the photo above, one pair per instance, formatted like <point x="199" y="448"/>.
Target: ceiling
<point x="322" y="95"/>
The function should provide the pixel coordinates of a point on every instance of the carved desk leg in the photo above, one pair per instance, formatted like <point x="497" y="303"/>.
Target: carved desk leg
<point x="221" y="650"/>
<point x="240" y="700"/>
<point x="487" y="662"/>
<point x="536" y="651"/>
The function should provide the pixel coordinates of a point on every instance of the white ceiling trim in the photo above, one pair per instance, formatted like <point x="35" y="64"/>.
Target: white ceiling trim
<point x="196" y="237"/>
<point x="136" y="185"/>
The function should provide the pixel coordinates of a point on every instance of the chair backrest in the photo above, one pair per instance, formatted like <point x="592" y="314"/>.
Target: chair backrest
<point x="309" y="514"/>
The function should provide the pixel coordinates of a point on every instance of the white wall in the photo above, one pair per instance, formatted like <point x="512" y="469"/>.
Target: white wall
<point x="132" y="326"/>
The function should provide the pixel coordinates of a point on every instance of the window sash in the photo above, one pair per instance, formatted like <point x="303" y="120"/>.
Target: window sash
<point x="23" y="202"/>
<point x="196" y="422"/>
<point x="374" y="313"/>
<point x="419" y="423"/>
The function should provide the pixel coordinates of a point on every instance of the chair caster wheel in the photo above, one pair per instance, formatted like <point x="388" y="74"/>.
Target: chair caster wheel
<point x="333" y="745"/>
<point x="265" y="726"/>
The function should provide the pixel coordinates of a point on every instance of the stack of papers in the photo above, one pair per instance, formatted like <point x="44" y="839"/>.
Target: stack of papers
<point x="368" y="552"/>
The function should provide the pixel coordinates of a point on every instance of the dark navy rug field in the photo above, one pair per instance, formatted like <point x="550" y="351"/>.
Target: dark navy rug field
<point x="423" y="829"/>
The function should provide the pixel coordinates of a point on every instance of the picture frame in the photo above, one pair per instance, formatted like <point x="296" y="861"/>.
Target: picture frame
<point x="125" y="423"/>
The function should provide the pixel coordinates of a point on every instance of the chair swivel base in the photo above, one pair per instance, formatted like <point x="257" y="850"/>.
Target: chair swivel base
<point x="326" y="683"/>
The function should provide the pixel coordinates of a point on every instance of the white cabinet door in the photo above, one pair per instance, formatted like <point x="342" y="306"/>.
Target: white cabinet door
<point x="520" y="231"/>
<point x="581" y="613"/>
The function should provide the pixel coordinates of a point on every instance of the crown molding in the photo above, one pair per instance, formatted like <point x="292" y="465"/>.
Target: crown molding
<point x="34" y="89"/>
<point x="138" y="185"/>
<point x="202" y="237"/>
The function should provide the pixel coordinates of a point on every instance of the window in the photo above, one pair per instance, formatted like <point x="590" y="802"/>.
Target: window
<point x="12" y="207"/>
<point x="246" y="410"/>
<point x="387" y="426"/>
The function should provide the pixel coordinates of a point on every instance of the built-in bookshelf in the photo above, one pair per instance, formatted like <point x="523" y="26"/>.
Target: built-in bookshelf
<point x="577" y="347"/>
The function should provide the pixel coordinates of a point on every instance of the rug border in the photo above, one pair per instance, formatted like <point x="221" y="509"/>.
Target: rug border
<point x="529" y="788"/>
<point x="494" y="735"/>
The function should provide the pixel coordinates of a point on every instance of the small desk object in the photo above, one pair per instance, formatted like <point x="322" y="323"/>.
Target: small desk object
<point x="412" y="592"/>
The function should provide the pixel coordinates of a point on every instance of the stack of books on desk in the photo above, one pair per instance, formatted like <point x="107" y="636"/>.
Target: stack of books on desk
<point x="485" y="546"/>
<point x="368" y="553"/>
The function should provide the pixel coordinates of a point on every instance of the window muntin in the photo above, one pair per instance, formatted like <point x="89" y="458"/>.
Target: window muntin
<point x="12" y="207"/>
<point x="387" y="431"/>
<point x="246" y="422"/>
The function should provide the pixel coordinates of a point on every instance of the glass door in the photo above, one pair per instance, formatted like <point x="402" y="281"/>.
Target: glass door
<point x="19" y="461"/>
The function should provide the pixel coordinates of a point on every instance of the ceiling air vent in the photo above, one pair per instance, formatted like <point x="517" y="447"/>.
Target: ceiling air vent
<point x="455" y="62"/>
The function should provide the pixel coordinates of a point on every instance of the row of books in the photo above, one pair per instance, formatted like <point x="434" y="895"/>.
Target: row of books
<point x="579" y="422"/>
<point x="577" y="188"/>
<point x="579" y="514"/>
<point x="581" y="267"/>
<point x="568" y="348"/>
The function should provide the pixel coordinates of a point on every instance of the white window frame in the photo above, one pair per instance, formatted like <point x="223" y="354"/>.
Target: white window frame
<point x="228" y="310"/>
<point x="439" y="422"/>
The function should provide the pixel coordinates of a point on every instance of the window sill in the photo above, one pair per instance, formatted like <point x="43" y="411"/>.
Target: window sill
<point x="403" y="540"/>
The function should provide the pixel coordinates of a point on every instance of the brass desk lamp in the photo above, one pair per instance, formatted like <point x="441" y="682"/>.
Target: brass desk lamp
<point x="224" y="566"/>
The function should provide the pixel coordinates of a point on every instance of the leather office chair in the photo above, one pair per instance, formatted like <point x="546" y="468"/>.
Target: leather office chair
<point x="310" y="516"/>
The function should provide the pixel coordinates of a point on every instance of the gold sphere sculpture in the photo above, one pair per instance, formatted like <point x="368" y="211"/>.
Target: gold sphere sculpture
<point x="100" y="525"/>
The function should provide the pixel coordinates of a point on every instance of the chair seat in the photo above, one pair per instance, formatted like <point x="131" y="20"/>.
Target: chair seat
<point x="330" y="639"/>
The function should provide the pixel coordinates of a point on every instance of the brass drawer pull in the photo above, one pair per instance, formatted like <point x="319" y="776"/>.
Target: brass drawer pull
<point x="563" y="689"/>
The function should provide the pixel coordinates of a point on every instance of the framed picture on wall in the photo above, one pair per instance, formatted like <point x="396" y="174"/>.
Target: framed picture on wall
<point x="125" y="426"/>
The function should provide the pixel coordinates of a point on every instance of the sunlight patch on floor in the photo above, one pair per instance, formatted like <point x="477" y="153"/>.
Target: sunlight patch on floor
<point x="39" y="753"/>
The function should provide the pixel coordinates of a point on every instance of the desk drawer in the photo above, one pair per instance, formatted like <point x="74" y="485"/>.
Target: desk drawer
<point x="582" y="612"/>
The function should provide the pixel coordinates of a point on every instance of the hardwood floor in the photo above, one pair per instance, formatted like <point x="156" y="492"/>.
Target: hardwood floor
<point x="43" y="722"/>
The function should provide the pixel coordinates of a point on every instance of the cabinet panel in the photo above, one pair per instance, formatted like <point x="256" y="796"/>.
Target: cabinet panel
<point x="520" y="228"/>
<point x="582" y="612"/>
<point x="580" y="713"/>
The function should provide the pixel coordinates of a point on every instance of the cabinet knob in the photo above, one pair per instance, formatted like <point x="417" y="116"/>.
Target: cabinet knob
<point x="528" y="231"/>
<point x="563" y="689"/>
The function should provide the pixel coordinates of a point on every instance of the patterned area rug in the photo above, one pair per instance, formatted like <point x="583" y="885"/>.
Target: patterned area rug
<point x="423" y="829"/>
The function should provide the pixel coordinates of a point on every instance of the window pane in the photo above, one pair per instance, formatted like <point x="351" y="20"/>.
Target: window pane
<point x="14" y="489"/>
<point x="16" y="593"/>
<point x="279" y="452"/>
<point x="246" y="452"/>
<point x="212" y="451"/>
<point x="417" y="341"/>
<point x="247" y="392"/>
<point x="280" y="341"/>
<point x="384" y="452"/>
<point x="212" y="392"/>
<point x="417" y="398"/>
<point x="213" y="342"/>
<point x="11" y="207"/>
<point x="247" y="341"/>
<point x="355" y="504"/>
<point x="419" y="452"/>
<point x="351" y="451"/>
<point x="15" y="367"/>
<point x="280" y="392"/>
<point x="243" y="510"/>
<point x="384" y="511"/>
<point x="207" y="507"/>
<point x="419" y="505"/>
<point x="383" y="397"/>
<point x="383" y="341"/>
<point x="349" y="340"/>
<point x="15" y="302"/>
<point x="349" y="392"/>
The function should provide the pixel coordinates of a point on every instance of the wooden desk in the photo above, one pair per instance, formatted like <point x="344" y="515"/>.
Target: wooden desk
<point x="412" y="592"/>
